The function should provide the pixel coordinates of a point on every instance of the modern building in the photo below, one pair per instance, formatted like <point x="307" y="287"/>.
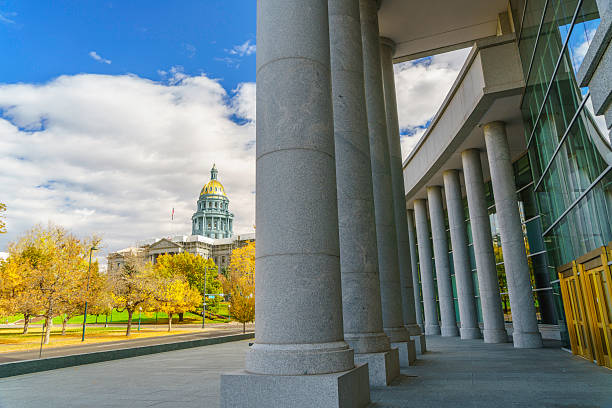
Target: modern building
<point x="212" y="218"/>
<point x="212" y="232"/>
<point x="496" y="226"/>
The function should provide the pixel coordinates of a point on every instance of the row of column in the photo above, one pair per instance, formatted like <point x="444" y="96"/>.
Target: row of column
<point x="525" y="328"/>
<point x="334" y="304"/>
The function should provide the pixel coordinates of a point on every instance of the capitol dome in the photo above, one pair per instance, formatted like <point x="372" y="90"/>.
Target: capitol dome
<point x="213" y="187"/>
<point x="212" y="218"/>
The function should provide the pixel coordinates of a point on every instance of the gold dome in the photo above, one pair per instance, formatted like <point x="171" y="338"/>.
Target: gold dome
<point x="213" y="187"/>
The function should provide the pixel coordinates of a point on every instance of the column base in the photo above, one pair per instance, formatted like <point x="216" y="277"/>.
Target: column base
<point x="433" y="329"/>
<point x="470" y="333"/>
<point x="413" y="329"/>
<point x="450" y="331"/>
<point x="495" y="336"/>
<point x="419" y="343"/>
<point x="527" y="340"/>
<point x="338" y="390"/>
<point x="407" y="352"/>
<point x="383" y="367"/>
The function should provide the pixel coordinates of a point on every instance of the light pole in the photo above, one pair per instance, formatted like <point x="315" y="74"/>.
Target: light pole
<point x="139" y="313"/>
<point x="93" y="248"/>
<point x="204" y="300"/>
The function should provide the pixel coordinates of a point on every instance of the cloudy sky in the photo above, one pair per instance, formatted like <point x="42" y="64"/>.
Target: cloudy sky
<point x="112" y="114"/>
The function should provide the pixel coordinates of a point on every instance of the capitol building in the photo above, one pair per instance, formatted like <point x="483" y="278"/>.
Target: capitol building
<point x="212" y="235"/>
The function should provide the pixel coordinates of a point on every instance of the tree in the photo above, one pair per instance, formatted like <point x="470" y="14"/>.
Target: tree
<point x="17" y="291"/>
<point x="172" y="294"/>
<point x="2" y="223"/>
<point x="241" y="284"/>
<point x="131" y="286"/>
<point x="194" y="268"/>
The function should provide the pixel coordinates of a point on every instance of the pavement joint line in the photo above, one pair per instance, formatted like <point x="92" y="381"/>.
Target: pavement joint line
<point x="11" y="369"/>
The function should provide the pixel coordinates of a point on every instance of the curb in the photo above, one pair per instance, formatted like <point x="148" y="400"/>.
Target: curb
<point x="33" y="366"/>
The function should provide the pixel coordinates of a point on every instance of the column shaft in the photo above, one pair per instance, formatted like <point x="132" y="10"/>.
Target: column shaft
<point x="461" y="258"/>
<point x="524" y="322"/>
<point x="381" y="178"/>
<point x="297" y="210"/>
<point x="362" y="311"/>
<point x="298" y="298"/>
<point x="448" y="318"/>
<point x="399" y="194"/>
<point x="432" y="325"/>
<point x="488" y="285"/>
<point x="415" y="269"/>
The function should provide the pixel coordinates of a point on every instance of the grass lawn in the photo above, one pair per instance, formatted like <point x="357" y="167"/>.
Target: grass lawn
<point x="145" y="318"/>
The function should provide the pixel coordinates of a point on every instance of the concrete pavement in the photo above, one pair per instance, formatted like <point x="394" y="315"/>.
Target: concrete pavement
<point x="455" y="373"/>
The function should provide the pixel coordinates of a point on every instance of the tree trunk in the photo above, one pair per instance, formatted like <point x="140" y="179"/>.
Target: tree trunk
<point x="106" y="321"/>
<point x="49" y="323"/>
<point x="243" y="327"/>
<point x="169" y="321"/>
<point x="180" y="317"/>
<point x="26" y="323"/>
<point x="129" y="324"/>
<point x="64" y="321"/>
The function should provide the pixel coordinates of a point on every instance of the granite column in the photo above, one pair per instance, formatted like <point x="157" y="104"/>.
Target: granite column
<point x="488" y="284"/>
<point x="361" y="302"/>
<point x="448" y="318"/>
<point x="299" y="344"/>
<point x="387" y="48"/>
<point x="414" y="264"/>
<point x="461" y="259"/>
<point x="430" y="308"/>
<point x="390" y="288"/>
<point x="524" y="322"/>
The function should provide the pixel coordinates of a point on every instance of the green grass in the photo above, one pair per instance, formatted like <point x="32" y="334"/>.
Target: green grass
<point x="11" y="319"/>
<point x="122" y="318"/>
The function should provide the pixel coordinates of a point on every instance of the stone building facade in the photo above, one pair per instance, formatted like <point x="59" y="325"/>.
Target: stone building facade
<point x="502" y="207"/>
<point x="212" y="232"/>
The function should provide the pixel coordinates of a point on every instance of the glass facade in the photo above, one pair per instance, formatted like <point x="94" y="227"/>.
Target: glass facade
<point x="564" y="184"/>
<point x="571" y="191"/>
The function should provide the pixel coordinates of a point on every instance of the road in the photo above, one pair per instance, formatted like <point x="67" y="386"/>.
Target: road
<point x="210" y="331"/>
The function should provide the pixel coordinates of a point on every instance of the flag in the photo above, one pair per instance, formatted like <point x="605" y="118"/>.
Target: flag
<point x="172" y="213"/>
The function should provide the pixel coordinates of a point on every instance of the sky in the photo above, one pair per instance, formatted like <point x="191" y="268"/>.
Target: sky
<point x="113" y="113"/>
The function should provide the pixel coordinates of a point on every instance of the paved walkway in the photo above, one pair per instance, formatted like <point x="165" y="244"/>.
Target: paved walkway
<point x="212" y="330"/>
<point x="454" y="374"/>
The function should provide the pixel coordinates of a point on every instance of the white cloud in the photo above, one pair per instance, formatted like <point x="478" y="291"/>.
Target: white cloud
<point x="114" y="154"/>
<point x="421" y="88"/>
<point x="237" y="52"/>
<point x="98" y="58"/>
<point x="4" y="18"/>
<point x="243" y="49"/>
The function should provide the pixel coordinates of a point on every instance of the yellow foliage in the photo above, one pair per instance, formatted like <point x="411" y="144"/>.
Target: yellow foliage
<point x="173" y="294"/>
<point x="241" y="284"/>
<point x="2" y="223"/>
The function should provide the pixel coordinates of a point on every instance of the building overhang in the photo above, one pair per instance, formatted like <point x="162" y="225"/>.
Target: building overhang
<point x="423" y="28"/>
<point x="488" y="88"/>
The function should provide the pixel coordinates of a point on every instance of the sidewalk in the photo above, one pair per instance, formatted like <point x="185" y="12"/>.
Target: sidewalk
<point x="455" y="373"/>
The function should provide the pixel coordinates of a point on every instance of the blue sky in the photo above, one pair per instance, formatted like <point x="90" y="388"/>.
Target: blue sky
<point x="113" y="113"/>
<point x="45" y="39"/>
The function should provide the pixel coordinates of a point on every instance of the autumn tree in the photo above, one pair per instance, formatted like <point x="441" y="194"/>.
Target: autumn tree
<point x="54" y="265"/>
<point x="131" y="286"/>
<point x="194" y="269"/>
<point x="173" y="294"/>
<point x="17" y="292"/>
<point x="2" y="223"/>
<point x="241" y="284"/>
